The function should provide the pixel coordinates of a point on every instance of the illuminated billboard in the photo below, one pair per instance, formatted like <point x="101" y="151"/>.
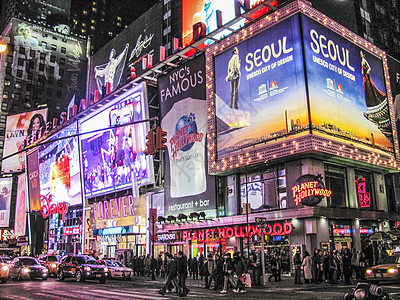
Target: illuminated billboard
<point x="346" y="88"/>
<point x="205" y="11"/>
<point x="59" y="170"/>
<point x="113" y="157"/>
<point x="130" y="48"/>
<point x="260" y="92"/>
<point x="20" y="207"/>
<point x="188" y="187"/>
<point x="18" y="127"/>
<point x="5" y="199"/>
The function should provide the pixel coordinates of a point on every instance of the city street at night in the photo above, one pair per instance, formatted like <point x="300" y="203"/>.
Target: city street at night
<point x="144" y="288"/>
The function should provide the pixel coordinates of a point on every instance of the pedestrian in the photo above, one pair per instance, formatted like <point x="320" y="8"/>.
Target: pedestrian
<point x="171" y="276"/>
<point x="307" y="267"/>
<point x="201" y="266"/>
<point x="326" y="266"/>
<point x="240" y="269"/>
<point x="182" y="274"/>
<point x="135" y="265"/>
<point x="317" y="259"/>
<point x="355" y="262"/>
<point x="210" y="269"/>
<point x="347" y="265"/>
<point x="297" y="267"/>
<point x="141" y="265"/>
<point x="339" y="262"/>
<point x="219" y="272"/>
<point x="189" y="262"/>
<point x="228" y="276"/>
<point x="147" y="263"/>
<point x="194" y="267"/>
<point x="153" y="268"/>
<point x="332" y="268"/>
<point x="274" y="267"/>
<point x="159" y="265"/>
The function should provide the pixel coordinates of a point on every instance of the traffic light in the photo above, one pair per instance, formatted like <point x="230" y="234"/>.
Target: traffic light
<point x="131" y="73"/>
<point x="161" y="138"/>
<point x="150" y="147"/>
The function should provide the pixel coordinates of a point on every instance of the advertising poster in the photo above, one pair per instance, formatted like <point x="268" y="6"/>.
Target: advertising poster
<point x="113" y="157"/>
<point x="260" y="89"/>
<point x="394" y="73"/>
<point x="18" y="127"/>
<point x="5" y="199"/>
<point x="20" y="207"/>
<point x="36" y="49"/>
<point x="59" y="168"/>
<point x="346" y="88"/>
<point x="32" y="162"/>
<point x="205" y="11"/>
<point x="131" y="48"/>
<point x="188" y="187"/>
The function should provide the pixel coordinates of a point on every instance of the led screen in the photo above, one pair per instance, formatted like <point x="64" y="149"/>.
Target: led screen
<point x="109" y="156"/>
<point x="5" y="199"/>
<point x="260" y="89"/>
<point x="59" y="168"/>
<point x="20" y="207"/>
<point x="346" y="88"/>
<point x="18" y="127"/>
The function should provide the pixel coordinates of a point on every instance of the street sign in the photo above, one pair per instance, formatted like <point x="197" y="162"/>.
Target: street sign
<point x="260" y="220"/>
<point x="153" y="214"/>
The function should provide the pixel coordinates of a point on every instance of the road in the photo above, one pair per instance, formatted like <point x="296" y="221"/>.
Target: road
<point x="144" y="288"/>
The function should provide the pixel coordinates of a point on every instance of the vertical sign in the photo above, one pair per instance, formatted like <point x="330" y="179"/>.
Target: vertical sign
<point x="20" y="207"/>
<point x="33" y="180"/>
<point x="5" y="198"/>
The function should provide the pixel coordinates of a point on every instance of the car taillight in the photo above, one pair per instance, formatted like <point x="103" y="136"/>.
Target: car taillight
<point x="369" y="271"/>
<point x="53" y="265"/>
<point x="392" y="271"/>
<point x="4" y="268"/>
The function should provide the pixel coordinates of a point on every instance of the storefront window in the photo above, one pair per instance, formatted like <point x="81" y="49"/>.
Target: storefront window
<point x="336" y="181"/>
<point x="340" y="233"/>
<point x="264" y="191"/>
<point x="364" y="190"/>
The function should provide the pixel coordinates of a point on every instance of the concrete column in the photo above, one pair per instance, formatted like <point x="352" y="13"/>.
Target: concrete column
<point x="355" y="224"/>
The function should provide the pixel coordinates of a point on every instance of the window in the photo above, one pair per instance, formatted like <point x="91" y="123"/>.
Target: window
<point x="52" y="58"/>
<point x="41" y="67"/>
<point x="51" y="70"/>
<point x="336" y="181"/>
<point x="29" y="87"/>
<point x="9" y="59"/>
<point x="42" y="55"/>
<point x="7" y="82"/>
<point x="44" y="46"/>
<point x="364" y="189"/>
<point x="61" y="72"/>
<point x="40" y="78"/>
<point x="59" y="94"/>
<point x="84" y="12"/>
<point x="94" y="9"/>
<point x="8" y="70"/>
<point x="32" y="53"/>
<point x="63" y="50"/>
<point x="20" y="62"/>
<point x="53" y="47"/>
<point x="19" y="73"/>
<point x="30" y="76"/>
<point x="21" y="50"/>
<point x="54" y="38"/>
<point x="50" y="81"/>
<point x="31" y="64"/>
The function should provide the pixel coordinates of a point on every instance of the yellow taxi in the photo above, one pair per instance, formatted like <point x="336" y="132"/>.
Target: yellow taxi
<point x="4" y="270"/>
<point x="388" y="270"/>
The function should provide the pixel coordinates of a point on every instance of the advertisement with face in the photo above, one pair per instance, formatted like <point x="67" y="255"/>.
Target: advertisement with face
<point x="205" y="11"/>
<point x="131" y="48"/>
<point x="5" y="199"/>
<point x="59" y="169"/>
<point x="346" y="88"/>
<point x="188" y="187"/>
<point x="394" y="73"/>
<point x="114" y="157"/>
<point x="20" y="206"/>
<point x="260" y="89"/>
<point x="18" y="127"/>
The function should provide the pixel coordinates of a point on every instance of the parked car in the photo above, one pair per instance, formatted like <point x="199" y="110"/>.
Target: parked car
<point x="25" y="267"/>
<point x="4" y="270"/>
<point x="82" y="267"/>
<point x="388" y="270"/>
<point x="7" y="259"/>
<point x="51" y="262"/>
<point x="117" y="269"/>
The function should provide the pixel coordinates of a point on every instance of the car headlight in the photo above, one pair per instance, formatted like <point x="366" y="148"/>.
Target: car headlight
<point x="26" y="271"/>
<point x="87" y="268"/>
<point x="106" y="270"/>
<point x="392" y="271"/>
<point x="369" y="271"/>
<point x="45" y="270"/>
<point x="4" y="268"/>
<point x="53" y="265"/>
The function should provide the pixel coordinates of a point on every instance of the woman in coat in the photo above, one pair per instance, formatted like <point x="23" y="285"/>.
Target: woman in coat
<point x="307" y="267"/>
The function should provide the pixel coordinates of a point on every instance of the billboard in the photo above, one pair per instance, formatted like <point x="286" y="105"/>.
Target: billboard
<point x="32" y="171"/>
<point x="112" y="158"/>
<point x="394" y="73"/>
<point x="5" y="199"/>
<point x="260" y="92"/>
<point x="20" y="207"/>
<point x="187" y="187"/>
<point x="59" y="168"/>
<point x="205" y="11"/>
<point x="346" y="88"/>
<point x="139" y="40"/>
<point x="18" y="127"/>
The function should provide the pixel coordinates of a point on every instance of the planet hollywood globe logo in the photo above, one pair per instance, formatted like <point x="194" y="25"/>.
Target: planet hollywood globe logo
<point x="309" y="190"/>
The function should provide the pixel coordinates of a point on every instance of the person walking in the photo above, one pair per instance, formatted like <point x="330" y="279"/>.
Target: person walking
<point x="159" y="265"/>
<point x="182" y="274"/>
<point x="210" y="269"/>
<point x="171" y="276"/>
<point x="332" y="268"/>
<point x="201" y="266"/>
<point x="307" y="267"/>
<point x="347" y="266"/>
<point x="297" y="267"/>
<point x="219" y="272"/>
<point x="228" y="276"/>
<point x="355" y="262"/>
<point x="274" y="267"/>
<point x="240" y="268"/>
<point x="194" y="267"/>
<point x="153" y="268"/>
<point x="317" y="260"/>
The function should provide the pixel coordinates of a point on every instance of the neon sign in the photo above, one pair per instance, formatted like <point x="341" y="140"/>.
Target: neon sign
<point x="114" y="208"/>
<point x="364" y="197"/>
<point x="51" y="208"/>
<point x="309" y="190"/>
<point x="237" y="232"/>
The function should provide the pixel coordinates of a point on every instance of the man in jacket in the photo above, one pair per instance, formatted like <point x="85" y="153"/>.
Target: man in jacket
<point x="210" y="271"/>
<point x="240" y="268"/>
<point x="171" y="276"/>
<point x="182" y="274"/>
<point x="219" y="272"/>
<point x="297" y="267"/>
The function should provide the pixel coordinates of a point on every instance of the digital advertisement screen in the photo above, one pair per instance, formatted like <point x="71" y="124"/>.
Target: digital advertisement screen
<point x="188" y="187"/>
<point x="346" y="88"/>
<point x="260" y="92"/>
<point x="18" y="127"/>
<point x="205" y="11"/>
<point x="112" y="158"/>
<point x="59" y="168"/>
<point x="5" y="199"/>
<point x="394" y="73"/>
<point x="20" y="207"/>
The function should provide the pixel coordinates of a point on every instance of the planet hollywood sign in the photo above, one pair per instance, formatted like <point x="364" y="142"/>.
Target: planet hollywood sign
<point x="309" y="190"/>
<point x="240" y="231"/>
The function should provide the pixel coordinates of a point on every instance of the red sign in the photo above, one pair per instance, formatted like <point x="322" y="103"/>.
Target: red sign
<point x="308" y="189"/>
<point x="72" y="230"/>
<point x="237" y="232"/>
<point x="364" y="197"/>
<point x="49" y="208"/>
<point x="6" y="234"/>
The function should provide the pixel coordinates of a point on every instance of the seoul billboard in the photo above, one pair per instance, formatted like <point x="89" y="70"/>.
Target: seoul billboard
<point x="18" y="127"/>
<point x="112" y="153"/>
<point x="130" y="48"/>
<point x="59" y="169"/>
<point x="5" y="201"/>
<point x="346" y="87"/>
<point x="188" y="186"/>
<point x="260" y="91"/>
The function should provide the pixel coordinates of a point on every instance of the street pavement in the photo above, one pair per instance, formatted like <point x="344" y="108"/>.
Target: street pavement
<point x="145" y="288"/>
